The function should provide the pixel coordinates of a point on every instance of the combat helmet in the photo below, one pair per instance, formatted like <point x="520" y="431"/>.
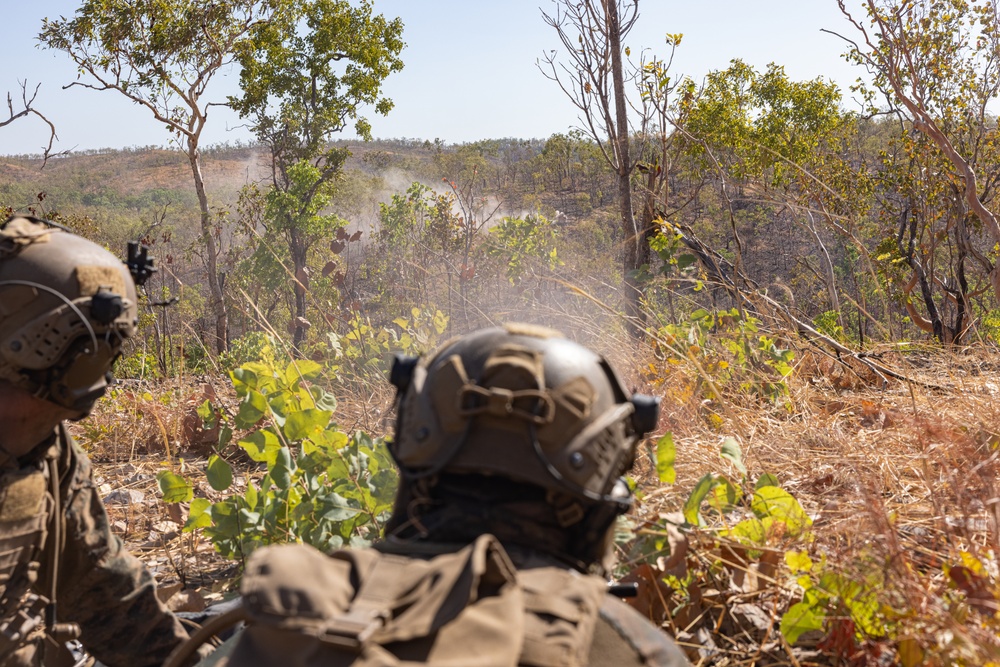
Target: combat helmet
<point x="523" y="403"/>
<point x="66" y="306"/>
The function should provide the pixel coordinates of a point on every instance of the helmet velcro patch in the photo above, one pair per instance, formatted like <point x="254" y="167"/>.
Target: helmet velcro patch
<point x="21" y="231"/>
<point x="23" y="496"/>
<point x="92" y="278"/>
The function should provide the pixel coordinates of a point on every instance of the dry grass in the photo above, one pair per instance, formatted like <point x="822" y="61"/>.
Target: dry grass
<point x="900" y="481"/>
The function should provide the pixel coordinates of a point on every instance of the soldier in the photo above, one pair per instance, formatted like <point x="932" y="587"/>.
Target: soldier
<point x="511" y="443"/>
<point x="66" y="306"/>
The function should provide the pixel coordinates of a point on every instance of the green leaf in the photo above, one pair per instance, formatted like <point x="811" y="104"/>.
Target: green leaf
<point x="686" y="260"/>
<point x="799" y="619"/>
<point x="261" y="446"/>
<point x="207" y="414"/>
<point x="731" y="450"/>
<point x="219" y="473"/>
<point x="750" y="531"/>
<point x="250" y="497"/>
<point x="281" y="471"/>
<point x="692" y="507"/>
<point x="324" y="399"/>
<point x="175" y="489"/>
<point x="301" y="369"/>
<point x="724" y="495"/>
<point x="252" y="408"/>
<point x="767" y="479"/>
<point x="306" y="423"/>
<point x="198" y="516"/>
<point x="243" y="380"/>
<point x="666" y="454"/>
<point x="334" y="507"/>
<point x="798" y="561"/>
<point x="779" y="505"/>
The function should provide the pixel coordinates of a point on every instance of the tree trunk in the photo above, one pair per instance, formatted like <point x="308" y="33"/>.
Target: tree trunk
<point x="297" y="248"/>
<point x="630" y="234"/>
<point x="831" y="276"/>
<point x="217" y="302"/>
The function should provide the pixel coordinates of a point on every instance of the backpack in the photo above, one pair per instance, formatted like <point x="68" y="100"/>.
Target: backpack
<point x="366" y="608"/>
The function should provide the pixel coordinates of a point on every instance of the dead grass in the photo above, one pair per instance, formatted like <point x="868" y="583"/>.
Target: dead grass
<point x="900" y="481"/>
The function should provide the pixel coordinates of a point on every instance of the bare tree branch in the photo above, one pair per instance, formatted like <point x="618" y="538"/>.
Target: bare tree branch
<point x="27" y="108"/>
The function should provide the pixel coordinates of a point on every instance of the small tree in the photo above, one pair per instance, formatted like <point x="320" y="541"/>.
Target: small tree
<point x="162" y="55"/>
<point x="304" y="78"/>
<point x="934" y="62"/>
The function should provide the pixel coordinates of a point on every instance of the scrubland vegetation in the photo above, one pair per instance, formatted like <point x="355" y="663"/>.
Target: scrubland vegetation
<point x="811" y="291"/>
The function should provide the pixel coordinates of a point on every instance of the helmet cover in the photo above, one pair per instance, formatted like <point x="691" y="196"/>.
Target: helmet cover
<point x="66" y="305"/>
<point x="520" y="402"/>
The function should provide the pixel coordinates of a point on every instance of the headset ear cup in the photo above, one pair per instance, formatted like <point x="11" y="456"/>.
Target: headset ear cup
<point x="595" y="533"/>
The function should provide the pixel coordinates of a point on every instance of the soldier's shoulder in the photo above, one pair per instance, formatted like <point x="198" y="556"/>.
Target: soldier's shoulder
<point x="623" y="637"/>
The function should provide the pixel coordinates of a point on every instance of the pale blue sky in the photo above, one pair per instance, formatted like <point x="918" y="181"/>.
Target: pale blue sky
<point x="469" y="71"/>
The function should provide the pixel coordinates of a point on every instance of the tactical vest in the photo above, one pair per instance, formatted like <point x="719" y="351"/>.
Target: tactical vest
<point x="25" y="508"/>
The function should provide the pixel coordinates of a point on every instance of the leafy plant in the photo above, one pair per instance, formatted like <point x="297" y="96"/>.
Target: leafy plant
<point x="321" y="486"/>
<point x="726" y="347"/>
<point x="514" y="241"/>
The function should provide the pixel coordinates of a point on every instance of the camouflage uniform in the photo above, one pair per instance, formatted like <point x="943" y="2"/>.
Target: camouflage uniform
<point x="101" y="587"/>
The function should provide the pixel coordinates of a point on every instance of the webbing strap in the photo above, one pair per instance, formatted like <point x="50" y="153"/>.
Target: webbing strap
<point x="371" y="607"/>
<point x="16" y="630"/>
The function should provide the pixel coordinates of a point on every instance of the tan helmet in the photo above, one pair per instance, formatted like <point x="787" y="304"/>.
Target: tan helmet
<point x="523" y="403"/>
<point x="66" y="305"/>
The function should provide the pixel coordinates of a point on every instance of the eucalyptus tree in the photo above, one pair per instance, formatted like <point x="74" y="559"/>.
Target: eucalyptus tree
<point x="595" y="76"/>
<point x="779" y="145"/>
<point x="935" y="65"/>
<point x="163" y="55"/>
<point x="308" y="74"/>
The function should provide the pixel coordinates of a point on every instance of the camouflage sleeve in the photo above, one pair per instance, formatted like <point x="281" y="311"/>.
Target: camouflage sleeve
<point x="102" y="587"/>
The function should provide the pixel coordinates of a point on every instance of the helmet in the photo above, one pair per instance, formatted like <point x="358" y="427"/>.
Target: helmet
<point x="521" y="403"/>
<point x="66" y="305"/>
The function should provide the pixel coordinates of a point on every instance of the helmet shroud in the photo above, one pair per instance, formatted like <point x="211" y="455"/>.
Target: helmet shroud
<point x="66" y="305"/>
<point x="528" y="419"/>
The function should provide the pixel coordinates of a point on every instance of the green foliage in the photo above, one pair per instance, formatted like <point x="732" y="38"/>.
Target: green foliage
<point x="515" y="240"/>
<point x="826" y="322"/>
<point x="250" y="347"/>
<point x="829" y="597"/>
<point x="666" y="454"/>
<point x="140" y="365"/>
<point x="364" y="352"/>
<point x="728" y="349"/>
<point x="175" y="489"/>
<point x="321" y="486"/>
<point x="311" y="68"/>
<point x="762" y="124"/>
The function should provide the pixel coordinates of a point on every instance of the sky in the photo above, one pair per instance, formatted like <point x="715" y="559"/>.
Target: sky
<point x="470" y="68"/>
